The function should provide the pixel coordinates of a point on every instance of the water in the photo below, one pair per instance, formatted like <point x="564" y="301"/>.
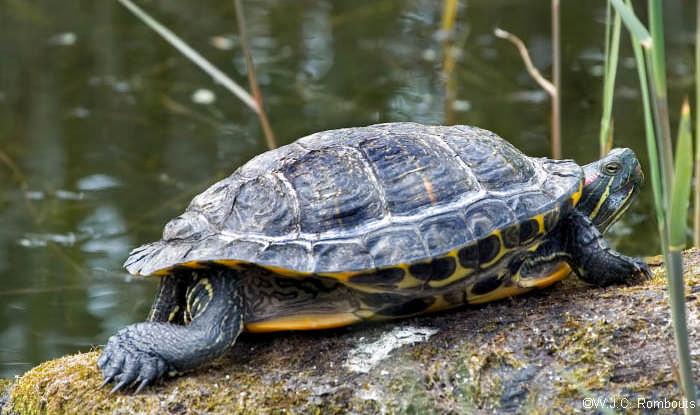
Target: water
<point x="106" y="132"/>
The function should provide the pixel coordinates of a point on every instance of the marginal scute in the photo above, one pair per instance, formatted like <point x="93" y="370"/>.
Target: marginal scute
<point x="395" y="245"/>
<point x="487" y="215"/>
<point x="434" y="270"/>
<point x="489" y="248"/>
<point x="341" y="256"/>
<point x="469" y="256"/>
<point x="529" y="229"/>
<point x="527" y="203"/>
<point x="511" y="236"/>
<point x="455" y="296"/>
<point x="381" y="277"/>
<point x="156" y="256"/>
<point x="445" y="231"/>
<point x="239" y="249"/>
<point x="486" y="284"/>
<point x="562" y="179"/>
<point x="214" y="248"/>
<point x="296" y="256"/>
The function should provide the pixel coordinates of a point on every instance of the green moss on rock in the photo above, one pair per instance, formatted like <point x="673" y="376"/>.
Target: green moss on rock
<point x="527" y="354"/>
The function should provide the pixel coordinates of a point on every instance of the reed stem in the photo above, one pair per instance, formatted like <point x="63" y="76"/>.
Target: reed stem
<point x="612" y="52"/>
<point x="252" y="78"/>
<point x="449" y="15"/>
<point x="556" y="81"/>
<point x="671" y="185"/>
<point x="696" y="193"/>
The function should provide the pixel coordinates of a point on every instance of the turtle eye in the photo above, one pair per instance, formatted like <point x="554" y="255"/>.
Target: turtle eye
<point x="612" y="168"/>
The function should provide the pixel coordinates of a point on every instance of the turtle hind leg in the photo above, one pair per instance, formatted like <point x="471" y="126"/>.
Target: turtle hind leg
<point x="592" y="258"/>
<point x="142" y="353"/>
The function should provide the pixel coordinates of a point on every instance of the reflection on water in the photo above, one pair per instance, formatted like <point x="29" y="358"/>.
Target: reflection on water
<point x="106" y="132"/>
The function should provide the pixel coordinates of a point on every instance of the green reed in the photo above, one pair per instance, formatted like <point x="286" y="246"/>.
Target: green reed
<point x="671" y="186"/>
<point x="696" y="199"/>
<point x="612" y="52"/>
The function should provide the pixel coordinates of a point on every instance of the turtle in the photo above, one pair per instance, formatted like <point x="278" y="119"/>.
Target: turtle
<point x="369" y="223"/>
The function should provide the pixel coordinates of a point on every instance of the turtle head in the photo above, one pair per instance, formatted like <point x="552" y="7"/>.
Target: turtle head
<point x="610" y="185"/>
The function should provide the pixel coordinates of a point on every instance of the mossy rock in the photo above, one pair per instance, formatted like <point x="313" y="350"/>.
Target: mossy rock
<point x="538" y="353"/>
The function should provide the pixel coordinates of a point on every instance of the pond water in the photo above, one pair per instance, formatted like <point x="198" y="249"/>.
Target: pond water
<point x="106" y="132"/>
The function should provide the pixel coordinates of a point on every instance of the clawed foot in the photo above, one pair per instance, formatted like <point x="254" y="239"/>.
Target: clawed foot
<point x="641" y="272"/>
<point x="625" y="270"/>
<point x="127" y="363"/>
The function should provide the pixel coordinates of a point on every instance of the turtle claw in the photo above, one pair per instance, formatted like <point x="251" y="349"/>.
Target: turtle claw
<point x="118" y="387"/>
<point x="129" y="362"/>
<point x="644" y="270"/>
<point x="641" y="271"/>
<point x="142" y="385"/>
<point x="107" y="381"/>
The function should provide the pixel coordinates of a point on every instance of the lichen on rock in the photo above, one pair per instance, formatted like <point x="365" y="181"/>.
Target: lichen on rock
<point x="539" y="353"/>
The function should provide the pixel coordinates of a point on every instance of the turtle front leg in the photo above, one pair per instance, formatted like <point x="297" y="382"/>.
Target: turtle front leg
<point x="591" y="257"/>
<point x="144" y="352"/>
<point x="169" y="304"/>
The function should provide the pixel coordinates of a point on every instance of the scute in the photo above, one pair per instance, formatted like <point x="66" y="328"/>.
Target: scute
<point x="496" y="163"/>
<point x="365" y="199"/>
<point x="415" y="173"/>
<point x="333" y="189"/>
<point x="263" y="206"/>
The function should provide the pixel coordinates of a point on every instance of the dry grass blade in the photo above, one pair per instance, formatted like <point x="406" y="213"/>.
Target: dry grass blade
<point x="531" y="69"/>
<point x="551" y="88"/>
<point x="192" y="55"/>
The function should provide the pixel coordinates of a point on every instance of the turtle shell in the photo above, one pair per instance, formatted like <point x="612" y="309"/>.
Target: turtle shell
<point x="351" y="200"/>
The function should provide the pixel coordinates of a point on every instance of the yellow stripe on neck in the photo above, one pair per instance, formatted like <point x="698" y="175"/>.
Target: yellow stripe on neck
<point x="601" y="200"/>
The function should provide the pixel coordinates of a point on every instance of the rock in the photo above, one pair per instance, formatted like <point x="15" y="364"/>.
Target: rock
<point x="5" y="385"/>
<point x="531" y="354"/>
